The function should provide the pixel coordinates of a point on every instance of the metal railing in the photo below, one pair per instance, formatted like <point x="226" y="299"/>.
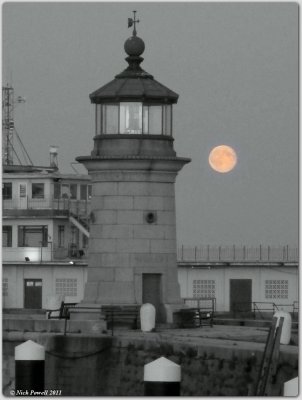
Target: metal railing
<point x="202" y="309"/>
<point x="204" y="303"/>
<point x="238" y="254"/>
<point x="75" y="206"/>
<point x="42" y="254"/>
<point x="260" y="308"/>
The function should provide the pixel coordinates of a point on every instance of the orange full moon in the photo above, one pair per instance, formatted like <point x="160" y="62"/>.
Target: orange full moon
<point x="222" y="158"/>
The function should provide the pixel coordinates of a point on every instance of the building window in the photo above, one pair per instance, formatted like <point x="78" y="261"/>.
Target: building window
<point x="276" y="289"/>
<point x="85" y="192"/>
<point x="7" y="190"/>
<point x="7" y="235"/>
<point x="4" y="287"/>
<point x="84" y="241"/>
<point x="73" y="191"/>
<point x="37" y="191"/>
<point x="203" y="288"/>
<point x="67" y="287"/>
<point x="66" y="191"/>
<point x="61" y="232"/>
<point x="56" y="190"/>
<point x="32" y="236"/>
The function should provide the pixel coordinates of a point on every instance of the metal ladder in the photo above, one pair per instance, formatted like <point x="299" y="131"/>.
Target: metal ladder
<point x="268" y="368"/>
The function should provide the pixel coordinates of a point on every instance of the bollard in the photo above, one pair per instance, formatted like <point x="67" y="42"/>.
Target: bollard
<point x="54" y="303"/>
<point x="290" y="388"/>
<point x="286" y="327"/>
<point x="162" y="378"/>
<point x="147" y="316"/>
<point x="29" y="369"/>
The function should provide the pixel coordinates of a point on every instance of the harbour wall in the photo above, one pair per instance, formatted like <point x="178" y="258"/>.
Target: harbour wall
<point x="101" y="365"/>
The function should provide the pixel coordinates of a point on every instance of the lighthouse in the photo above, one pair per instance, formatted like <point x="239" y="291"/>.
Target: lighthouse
<point x="133" y="167"/>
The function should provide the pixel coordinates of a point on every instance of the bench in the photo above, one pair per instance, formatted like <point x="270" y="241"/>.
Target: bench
<point x="122" y="316"/>
<point x="204" y="309"/>
<point x="63" y="311"/>
<point x="115" y="315"/>
<point x="193" y="317"/>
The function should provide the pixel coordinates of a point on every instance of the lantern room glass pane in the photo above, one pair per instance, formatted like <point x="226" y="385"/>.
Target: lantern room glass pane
<point x="155" y="120"/>
<point x="145" y="120"/>
<point x="131" y="118"/>
<point x="98" y="120"/>
<point x="167" y="120"/>
<point x="110" y="118"/>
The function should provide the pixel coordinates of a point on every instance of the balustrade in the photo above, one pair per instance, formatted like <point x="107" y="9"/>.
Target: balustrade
<point x="238" y="254"/>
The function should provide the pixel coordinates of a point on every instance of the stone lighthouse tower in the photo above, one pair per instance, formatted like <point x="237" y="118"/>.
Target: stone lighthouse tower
<point x="133" y="167"/>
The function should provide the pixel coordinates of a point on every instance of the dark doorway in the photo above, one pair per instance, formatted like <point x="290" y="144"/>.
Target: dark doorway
<point x="152" y="292"/>
<point x="240" y="295"/>
<point x="32" y="293"/>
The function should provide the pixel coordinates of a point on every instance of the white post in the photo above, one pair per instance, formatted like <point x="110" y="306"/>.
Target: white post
<point x="162" y="378"/>
<point x="147" y="317"/>
<point x="286" y="327"/>
<point x="29" y="368"/>
<point x="291" y="388"/>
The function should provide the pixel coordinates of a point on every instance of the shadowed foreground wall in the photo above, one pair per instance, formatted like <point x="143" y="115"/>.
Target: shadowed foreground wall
<point x="102" y="366"/>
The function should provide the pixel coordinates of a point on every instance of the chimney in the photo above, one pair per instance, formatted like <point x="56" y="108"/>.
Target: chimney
<point x="53" y="154"/>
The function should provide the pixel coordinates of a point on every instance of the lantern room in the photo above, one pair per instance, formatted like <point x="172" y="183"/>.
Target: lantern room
<point x="134" y="118"/>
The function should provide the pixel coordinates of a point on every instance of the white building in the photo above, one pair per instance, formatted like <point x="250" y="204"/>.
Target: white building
<point x="44" y="235"/>
<point x="242" y="285"/>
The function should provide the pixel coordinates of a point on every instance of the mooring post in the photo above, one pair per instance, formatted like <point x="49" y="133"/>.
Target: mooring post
<point x="29" y="368"/>
<point x="162" y="378"/>
<point x="291" y="388"/>
<point x="287" y="326"/>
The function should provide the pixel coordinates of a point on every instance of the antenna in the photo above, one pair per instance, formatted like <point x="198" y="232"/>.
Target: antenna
<point x="7" y="124"/>
<point x="9" y="149"/>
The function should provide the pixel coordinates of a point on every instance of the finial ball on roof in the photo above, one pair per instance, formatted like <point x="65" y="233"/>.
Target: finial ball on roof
<point x="134" y="46"/>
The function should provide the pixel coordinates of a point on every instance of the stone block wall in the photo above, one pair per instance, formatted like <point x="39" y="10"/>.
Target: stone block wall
<point x="102" y="366"/>
<point x="124" y="244"/>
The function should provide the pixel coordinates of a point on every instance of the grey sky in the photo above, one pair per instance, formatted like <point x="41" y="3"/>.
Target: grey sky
<point x="235" y="67"/>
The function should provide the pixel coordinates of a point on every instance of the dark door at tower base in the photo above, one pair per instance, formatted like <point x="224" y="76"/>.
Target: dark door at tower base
<point x="152" y="292"/>
<point x="33" y="293"/>
<point x="240" y="295"/>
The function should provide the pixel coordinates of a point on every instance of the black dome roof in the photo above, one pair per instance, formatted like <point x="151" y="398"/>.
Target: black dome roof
<point x="134" y="84"/>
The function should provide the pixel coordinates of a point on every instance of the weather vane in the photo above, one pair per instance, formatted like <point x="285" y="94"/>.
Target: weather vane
<point x="133" y="21"/>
